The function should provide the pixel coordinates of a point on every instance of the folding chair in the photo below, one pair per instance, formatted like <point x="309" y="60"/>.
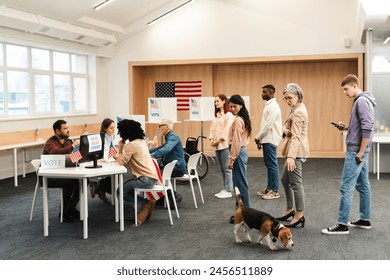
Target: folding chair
<point x="36" y="163"/>
<point x="160" y="189"/>
<point x="192" y="174"/>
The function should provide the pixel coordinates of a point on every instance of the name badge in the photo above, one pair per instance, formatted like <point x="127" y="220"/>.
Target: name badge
<point x="52" y="161"/>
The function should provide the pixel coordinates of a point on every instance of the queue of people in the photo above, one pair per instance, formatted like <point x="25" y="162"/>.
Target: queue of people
<point x="229" y="135"/>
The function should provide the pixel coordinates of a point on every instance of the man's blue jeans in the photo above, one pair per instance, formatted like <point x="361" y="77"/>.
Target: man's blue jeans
<point x="355" y="175"/>
<point x="271" y="162"/>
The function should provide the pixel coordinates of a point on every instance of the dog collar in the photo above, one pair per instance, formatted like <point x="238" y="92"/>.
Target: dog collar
<point x="276" y="231"/>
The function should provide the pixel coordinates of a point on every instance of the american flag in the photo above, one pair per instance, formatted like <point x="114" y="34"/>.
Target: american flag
<point x="112" y="151"/>
<point x="75" y="155"/>
<point x="156" y="195"/>
<point x="183" y="91"/>
<point x="153" y="104"/>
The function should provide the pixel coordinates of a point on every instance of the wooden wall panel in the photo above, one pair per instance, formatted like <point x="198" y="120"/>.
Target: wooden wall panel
<point x="319" y="78"/>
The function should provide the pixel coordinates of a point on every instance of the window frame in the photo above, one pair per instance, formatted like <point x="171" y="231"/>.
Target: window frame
<point x="32" y="73"/>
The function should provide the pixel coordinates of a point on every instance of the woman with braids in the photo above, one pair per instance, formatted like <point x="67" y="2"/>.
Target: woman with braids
<point x="136" y="157"/>
<point x="239" y="134"/>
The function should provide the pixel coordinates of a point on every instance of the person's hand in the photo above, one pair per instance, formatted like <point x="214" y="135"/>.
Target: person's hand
<point x="358" y="157"/>
<point x="120" y="146"/>
<point x="230" y="164"/>
<point x="76" y="143"/>
<point x="258" y="144"/>
<point x="342" y="126"/>
<point x="214" y="144"/>
<point x="290" y="163"/>
<point x="287" y="133"/>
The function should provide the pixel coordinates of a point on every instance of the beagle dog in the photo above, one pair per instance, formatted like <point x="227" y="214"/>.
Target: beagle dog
<point x="246" y="219"/>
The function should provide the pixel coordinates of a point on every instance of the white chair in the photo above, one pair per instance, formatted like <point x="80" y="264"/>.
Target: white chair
<point x="192" y="174"/>
<point x="160" y="188"/>
<point x="36" y="163"/>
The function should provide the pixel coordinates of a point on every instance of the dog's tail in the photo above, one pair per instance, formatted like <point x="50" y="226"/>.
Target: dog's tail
<point x="238" y="197"/>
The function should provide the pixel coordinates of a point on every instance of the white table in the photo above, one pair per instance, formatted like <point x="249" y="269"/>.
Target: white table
<point x="15" y="148"/>
<point x="377" y="140"/>
<point x="112" y="169"/>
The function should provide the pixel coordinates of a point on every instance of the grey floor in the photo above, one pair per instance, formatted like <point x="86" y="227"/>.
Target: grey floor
<point x="199" y="234"/>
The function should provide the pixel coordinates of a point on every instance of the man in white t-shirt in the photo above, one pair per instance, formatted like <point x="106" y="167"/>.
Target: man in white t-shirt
<point x="268" y="139"/>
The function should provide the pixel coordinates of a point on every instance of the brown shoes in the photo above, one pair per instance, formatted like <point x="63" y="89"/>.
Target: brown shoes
<point x="146" y="211"/>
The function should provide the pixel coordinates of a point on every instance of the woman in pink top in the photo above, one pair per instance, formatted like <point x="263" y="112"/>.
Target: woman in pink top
<point x="238" y="139"/>
<point x="219" y="133"/>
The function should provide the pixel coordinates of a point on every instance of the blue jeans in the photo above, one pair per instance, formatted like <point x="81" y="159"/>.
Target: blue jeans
<point x="223" y="161"/>
<point x="271" y="162"/>
<point x="140" y="182"/>
<point x="354" y="176"/>
<point x="240" y="176"/>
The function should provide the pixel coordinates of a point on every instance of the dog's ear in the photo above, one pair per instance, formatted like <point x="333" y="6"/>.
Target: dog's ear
<point x="284" y="236"/>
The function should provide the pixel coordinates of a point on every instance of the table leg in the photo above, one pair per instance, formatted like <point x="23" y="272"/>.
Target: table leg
<point x="23" y="163"/>
<point x="45" y="209"/>
<point x="15" y="167"/>
<point x="81" y="202"/>
<point x="85" y="202"/>
<point x="377" y="161"/>
<point x="114" y="180"/>
<point x="121" y="212"/>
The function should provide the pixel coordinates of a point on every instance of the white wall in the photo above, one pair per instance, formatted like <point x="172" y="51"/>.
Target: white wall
<point x="239" y="28"/>
<point x="219" y="29"/>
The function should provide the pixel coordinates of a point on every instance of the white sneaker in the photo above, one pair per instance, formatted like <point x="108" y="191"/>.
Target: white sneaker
<point x="225" y="194"/>
<point x="217" y="194"/>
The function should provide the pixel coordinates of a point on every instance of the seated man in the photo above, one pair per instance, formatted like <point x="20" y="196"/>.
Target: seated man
<point x="60" y="143"/>
<point x="172" y="149"/>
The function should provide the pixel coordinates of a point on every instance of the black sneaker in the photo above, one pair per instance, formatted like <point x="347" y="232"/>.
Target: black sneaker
<point x="337" y="229"/>
<point x="360" y="224"/>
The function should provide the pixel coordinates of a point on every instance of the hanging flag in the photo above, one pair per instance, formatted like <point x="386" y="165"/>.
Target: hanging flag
<point x="183" y="91"/>
<point x="156" y="195"/>
<point x="112" y="152"/>
<point x="75" y="155"/>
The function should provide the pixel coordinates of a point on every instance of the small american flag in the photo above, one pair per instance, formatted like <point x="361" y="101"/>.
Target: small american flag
<point x="75" y="155"/>
<point x="183" y="91"/>
<point x="112" y="152"/>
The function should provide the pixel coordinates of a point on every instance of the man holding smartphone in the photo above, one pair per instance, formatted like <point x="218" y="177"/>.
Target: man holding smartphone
<point x="355" y="172"/>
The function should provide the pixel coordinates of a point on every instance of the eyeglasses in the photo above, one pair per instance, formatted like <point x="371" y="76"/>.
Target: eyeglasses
<point x="288" y="98"/>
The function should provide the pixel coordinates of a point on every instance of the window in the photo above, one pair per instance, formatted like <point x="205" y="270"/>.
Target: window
<point x="381" y="85"/>
<point x="36" y="81"/>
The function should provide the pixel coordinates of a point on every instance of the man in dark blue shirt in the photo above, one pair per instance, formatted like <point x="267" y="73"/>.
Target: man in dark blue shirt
<point x="172" y="149"/>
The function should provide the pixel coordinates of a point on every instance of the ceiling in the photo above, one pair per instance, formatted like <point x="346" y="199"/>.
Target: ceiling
<point x="122" y="18"/>
<point x="377" y="17"/>
<point x="116" y="21"/>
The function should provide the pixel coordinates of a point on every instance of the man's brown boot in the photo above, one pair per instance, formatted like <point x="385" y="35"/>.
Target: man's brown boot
<point x="143" y="212"/>
<point x="152" y="204"/>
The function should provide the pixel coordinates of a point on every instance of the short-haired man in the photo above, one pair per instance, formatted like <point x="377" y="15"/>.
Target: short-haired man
<point x="268" y="139"/>
<point x="60" y="143"/>
<point x="355" y="172"/>
<point x="172" y="149"/>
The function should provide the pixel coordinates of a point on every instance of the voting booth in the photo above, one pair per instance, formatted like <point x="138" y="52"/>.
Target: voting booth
<point x="202" y="108"/>
<point x="162" y="108"/>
